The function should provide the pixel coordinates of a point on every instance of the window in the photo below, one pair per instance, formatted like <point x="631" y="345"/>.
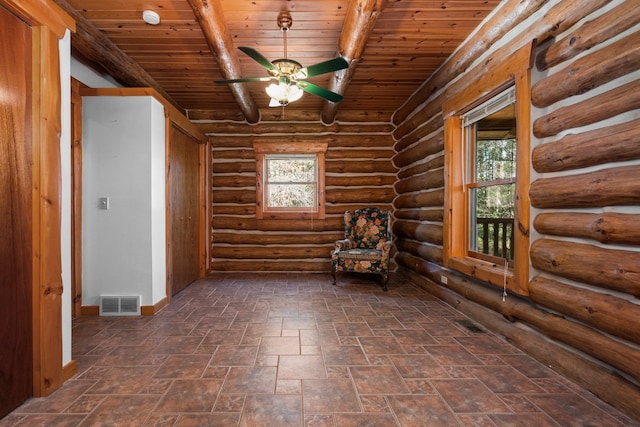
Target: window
<point x="290" y="180"/>
<point x="487" y="161"/>
<point x="489" y="132"/>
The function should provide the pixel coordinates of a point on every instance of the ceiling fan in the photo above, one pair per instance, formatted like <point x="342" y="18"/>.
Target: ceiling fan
<point x="289" y="75"/>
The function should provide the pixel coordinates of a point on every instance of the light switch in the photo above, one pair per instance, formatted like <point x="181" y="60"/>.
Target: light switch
<point x="103" y="203"/>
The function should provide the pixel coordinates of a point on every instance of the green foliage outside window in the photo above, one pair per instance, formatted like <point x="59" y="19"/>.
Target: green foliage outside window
<point x="495" y="160"/>
<point x="494" y="203"/>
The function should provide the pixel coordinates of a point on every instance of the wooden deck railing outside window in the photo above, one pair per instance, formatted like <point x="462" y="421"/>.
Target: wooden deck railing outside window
<point x="495" y="237"/>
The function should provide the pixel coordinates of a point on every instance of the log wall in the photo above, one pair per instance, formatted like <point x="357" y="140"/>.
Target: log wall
<point x="584" y="193"/>
<point x="359" y="173"/>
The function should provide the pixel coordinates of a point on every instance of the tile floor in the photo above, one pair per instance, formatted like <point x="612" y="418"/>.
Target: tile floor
<point x="293" y="350"/>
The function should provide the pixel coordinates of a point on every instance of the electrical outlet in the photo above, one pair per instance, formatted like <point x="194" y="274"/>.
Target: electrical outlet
<point x="103" y="203"/>
<point x="443" y="279"/>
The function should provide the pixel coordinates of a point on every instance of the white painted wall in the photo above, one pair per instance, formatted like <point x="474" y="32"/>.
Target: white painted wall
<point x="123" y="248"/>
<point x="64" y="46"/>
<point x="90" y="77"/>
<point x="158" y="203"/>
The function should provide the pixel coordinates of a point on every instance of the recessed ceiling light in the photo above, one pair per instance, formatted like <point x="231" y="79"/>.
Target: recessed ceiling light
<point x="151" y="17"/>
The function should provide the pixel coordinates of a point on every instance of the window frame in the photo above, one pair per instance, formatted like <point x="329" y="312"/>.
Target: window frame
<point x="471" y="182"/>
<point x="514" y="71"/>
<point x="265" y="149"/>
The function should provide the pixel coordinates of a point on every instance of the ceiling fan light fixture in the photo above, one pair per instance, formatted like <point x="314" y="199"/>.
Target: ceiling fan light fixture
<point x="284" y="93"/>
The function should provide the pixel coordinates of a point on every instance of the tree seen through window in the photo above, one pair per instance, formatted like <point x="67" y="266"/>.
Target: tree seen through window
<point x="491" y="184"/>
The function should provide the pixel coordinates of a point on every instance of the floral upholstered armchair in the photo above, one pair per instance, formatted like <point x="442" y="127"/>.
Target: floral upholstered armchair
<point x="366" y="246"/>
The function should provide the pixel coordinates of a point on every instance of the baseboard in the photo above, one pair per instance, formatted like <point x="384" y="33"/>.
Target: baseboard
<point x="145" y="310"/>
<point x="150" y="310"/>
<point x="69" y="370"/>
<point x="90" y="310"/>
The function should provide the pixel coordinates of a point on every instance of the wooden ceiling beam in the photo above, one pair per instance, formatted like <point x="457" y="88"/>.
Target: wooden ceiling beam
<point x="91" y="43"/>
<point x="211" y="19"/>
<point x="358" y="24"/>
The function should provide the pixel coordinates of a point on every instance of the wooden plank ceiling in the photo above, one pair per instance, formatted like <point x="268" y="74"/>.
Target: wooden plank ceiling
<point x="405" y="42"/>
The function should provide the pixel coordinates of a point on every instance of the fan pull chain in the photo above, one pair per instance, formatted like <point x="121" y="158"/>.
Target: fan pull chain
<point x="504" y="281"/>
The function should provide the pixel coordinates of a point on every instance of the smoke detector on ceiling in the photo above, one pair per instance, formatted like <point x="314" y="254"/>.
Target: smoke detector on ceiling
<point x="151" y="17"/>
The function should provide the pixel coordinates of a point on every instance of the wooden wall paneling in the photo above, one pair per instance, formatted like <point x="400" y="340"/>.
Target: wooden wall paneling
<point x="359" y="166"/>
<point x="501" y="22"/>
<point x="360" y="181"/>
<point x="76" y="198"/>
<point x="424" y="250"/>
<point x="612" y="269"/>
<point x="16" y="206"/>
<point x="47" y="296"/>
<point x="615" y="143"/>
<point x="427" y="180"/>
<point x="584" y="192"/>
<point x="588" y="72"/>
<point x="429" y="214"/>
<point x="429" y="233"/>
<point x="614" y="186"/>
<point x="422" y="149"/>
<point x="276" y="238"/>
<point x="556" y="20"/>
<point x="49" y="23"/>
<point x="292" y="128"/>
<point x="606" y="227"/>
<point x="272" y="251"/>
<point x="358" y="173"/>
<point x="424" y="199"/>
<point x="591" y="34"/>
<point x="303" y="265"/>
<point x="600" y="107"/>
<point x="339" y="209"/>
<point x="434" y="162"/>
<point x="602" y="311"/>
<point x="432" y="125"/>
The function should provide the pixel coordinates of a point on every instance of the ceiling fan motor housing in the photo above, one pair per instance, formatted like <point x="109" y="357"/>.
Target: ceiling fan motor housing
<point x="285" y="67"/>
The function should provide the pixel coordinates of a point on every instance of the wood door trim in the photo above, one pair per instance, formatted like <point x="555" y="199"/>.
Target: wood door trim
<point x="76" y="198"/>
<point x="48" y="23"/>
<point x="167" y="197"/>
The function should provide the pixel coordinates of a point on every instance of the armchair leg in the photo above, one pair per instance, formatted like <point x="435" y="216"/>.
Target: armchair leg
<point x="385" y="279"/>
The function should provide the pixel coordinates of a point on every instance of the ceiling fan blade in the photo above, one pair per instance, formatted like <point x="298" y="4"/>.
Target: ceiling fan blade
<point x="245" y="80"/>
<point x="320" y="91"/>
<point x="334" y="64"/>
<point x="258" y="57"/>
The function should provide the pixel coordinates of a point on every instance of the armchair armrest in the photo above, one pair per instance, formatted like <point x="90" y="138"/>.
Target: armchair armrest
<point x="342" y="245"/>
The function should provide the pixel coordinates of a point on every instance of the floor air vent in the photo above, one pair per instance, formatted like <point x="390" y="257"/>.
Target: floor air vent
<point x="119" y="306"/>
<point x="471" y="326"/>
